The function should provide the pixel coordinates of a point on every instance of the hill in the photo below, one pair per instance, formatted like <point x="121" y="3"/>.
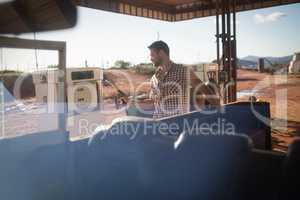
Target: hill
<point x="278" y="60"/>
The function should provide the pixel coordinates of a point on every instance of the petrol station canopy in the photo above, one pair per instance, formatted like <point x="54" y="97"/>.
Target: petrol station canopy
<point x="22" y="16"/>
<point x="176" y="10"/>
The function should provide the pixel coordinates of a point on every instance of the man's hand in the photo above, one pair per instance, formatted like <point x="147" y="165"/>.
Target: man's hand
<point x="145" y="104"/>
<point x="203" y="94"/>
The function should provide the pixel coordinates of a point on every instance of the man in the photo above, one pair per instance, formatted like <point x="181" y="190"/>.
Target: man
<point x="175" y="89"/>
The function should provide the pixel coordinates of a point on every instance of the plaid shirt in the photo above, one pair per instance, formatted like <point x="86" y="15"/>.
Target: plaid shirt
<point x="169" y="90"/>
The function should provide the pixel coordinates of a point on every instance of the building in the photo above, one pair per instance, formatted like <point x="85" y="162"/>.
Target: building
<point x="294" y="67"/>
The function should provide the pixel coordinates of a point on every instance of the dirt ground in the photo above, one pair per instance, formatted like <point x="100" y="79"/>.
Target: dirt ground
<point x="282" y="91"/>
<point x="127" y="81"/>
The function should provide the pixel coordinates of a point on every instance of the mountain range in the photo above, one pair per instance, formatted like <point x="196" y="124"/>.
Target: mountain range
<point x="279" y="60"/>
<point x="251" y="61"/>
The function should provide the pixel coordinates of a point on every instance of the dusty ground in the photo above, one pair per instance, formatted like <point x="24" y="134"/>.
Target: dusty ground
<point x="282" y="91"/>
<point x="127" y="81"/>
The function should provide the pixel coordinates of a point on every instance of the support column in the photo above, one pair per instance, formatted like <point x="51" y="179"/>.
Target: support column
<point x="227" y="63"/>
<point x="2" y="110"/>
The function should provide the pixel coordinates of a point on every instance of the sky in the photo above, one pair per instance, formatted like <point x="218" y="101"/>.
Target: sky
<point x="102" y="37"/>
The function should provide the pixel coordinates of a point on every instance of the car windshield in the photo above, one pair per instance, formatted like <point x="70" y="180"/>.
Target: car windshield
<point x="107" y="65"/>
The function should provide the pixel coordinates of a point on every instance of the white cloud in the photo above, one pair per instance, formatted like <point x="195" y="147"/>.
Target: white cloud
<point x="258" y="19"/>
<point x="273" y="17"/>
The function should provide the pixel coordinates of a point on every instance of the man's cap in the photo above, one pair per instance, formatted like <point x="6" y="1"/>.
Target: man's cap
<point x="160" y="45"/>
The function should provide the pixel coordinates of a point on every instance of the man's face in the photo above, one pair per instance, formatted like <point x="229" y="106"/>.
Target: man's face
<point x="156" y="57"/>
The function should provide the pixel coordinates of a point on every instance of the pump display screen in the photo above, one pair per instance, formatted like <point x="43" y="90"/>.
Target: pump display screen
<point x="82" y="75"/>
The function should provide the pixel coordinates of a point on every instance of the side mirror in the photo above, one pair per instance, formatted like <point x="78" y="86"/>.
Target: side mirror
<point x="23" y="16"/>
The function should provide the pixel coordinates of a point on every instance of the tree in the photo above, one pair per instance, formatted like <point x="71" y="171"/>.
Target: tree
<point x="52" y="66"/>
<point x="122" y="64"/>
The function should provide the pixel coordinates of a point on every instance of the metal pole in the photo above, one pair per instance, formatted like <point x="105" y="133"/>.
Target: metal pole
<point x="223" y="59"/>
<point x="2" y="106"/>
<point x="228" y="38"/>
<point x="234" y="72"/>
<point x="1" y="58"/>
<point x="35" y="52"/>
<point x="218" y="40"/>
<point x="223" y="32"/>
<point x="228" y="47"/>
<point x="63" y="89"/>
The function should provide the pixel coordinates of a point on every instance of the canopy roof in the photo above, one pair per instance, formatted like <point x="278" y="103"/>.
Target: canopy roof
<point x="30" y="15"/>
<point x="175" y="10"/>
